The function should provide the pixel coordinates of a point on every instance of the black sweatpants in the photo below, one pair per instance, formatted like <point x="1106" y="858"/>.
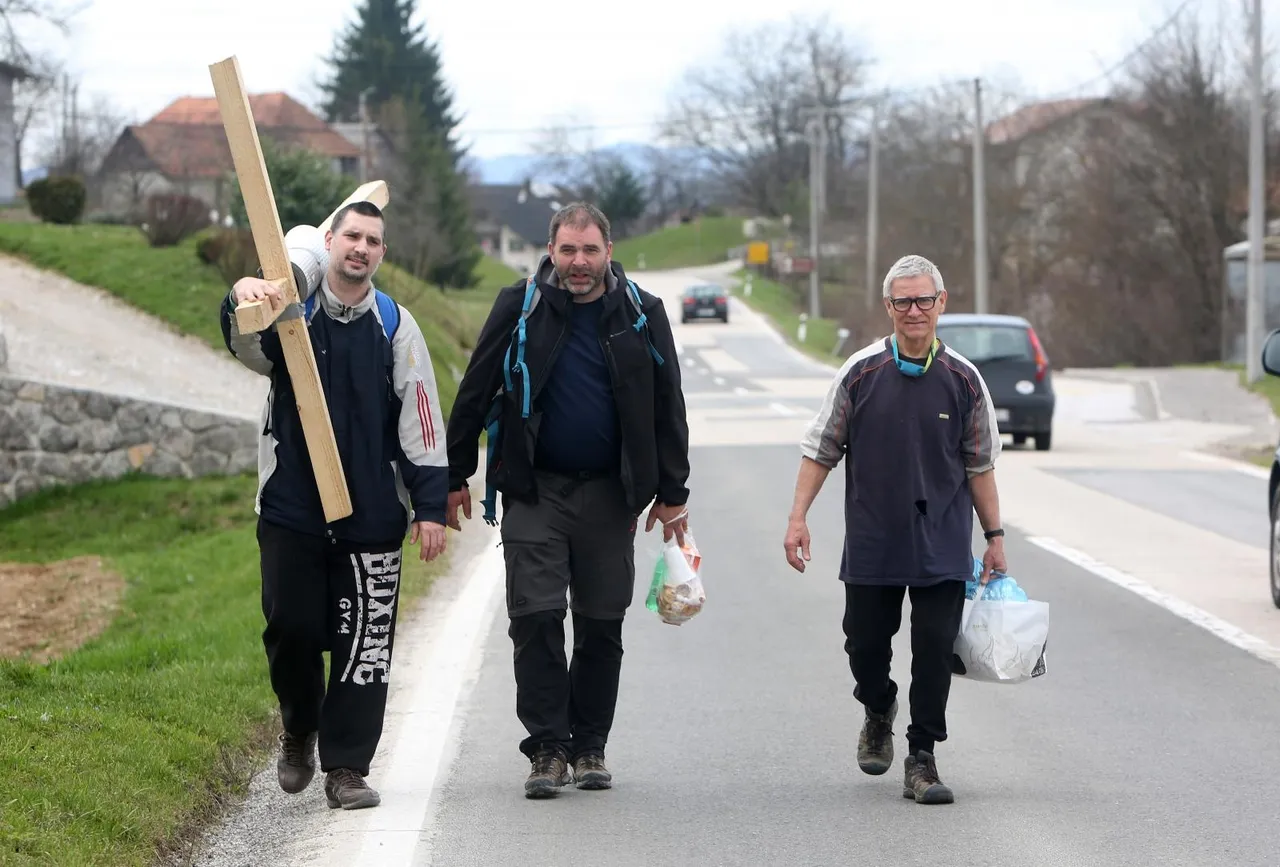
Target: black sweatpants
<point x="872" y="616"/>
<point x="318" y="595"/>
<point x="572" y="550"/>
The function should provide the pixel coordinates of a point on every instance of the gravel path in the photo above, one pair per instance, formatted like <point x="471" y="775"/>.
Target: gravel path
<point x="63" y="332"/>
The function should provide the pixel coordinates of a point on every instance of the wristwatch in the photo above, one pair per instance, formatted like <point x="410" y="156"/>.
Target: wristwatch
<point x="991" y="534"/>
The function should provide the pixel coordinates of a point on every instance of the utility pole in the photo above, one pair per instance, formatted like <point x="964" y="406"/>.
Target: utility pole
<point x="366" y="156"/>
<point x="814" y="129"/>
<point x="980" y="269"/>
<point x="1254" y="307"/>
<point x="873" y="206"/>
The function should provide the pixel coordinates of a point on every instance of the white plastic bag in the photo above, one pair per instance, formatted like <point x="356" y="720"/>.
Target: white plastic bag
<point x="1001" y="641"/>
<point x="676" y="593"/>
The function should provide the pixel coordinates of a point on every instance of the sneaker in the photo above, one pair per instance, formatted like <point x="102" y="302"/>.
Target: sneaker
<point x="875" y="743"/>
<point x="548" y="774"/>
<point x="297" y="762"/>
<point x="921" y="781"/>
<point x="347" y="789"/>
<point x="590" y="772"/>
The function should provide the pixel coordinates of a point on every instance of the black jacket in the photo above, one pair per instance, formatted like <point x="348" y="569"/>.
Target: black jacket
<point x="651" y="411"/>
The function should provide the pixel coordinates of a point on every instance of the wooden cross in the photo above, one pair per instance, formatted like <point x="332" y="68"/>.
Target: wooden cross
<point x="268" y="238"/>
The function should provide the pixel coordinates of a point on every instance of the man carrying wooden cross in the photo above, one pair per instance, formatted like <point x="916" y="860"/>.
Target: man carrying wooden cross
<point x="334" y="585"/>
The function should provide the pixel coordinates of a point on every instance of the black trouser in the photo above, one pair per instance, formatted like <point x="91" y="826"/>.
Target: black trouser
<point x="578" y="539"/>
<point x="320" y="595"/>
<point x="872" y="615"/>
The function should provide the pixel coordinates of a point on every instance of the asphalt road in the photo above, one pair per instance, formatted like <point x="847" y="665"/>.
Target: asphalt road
<point x="1149" y="742"/>
<point x="1146" y="743"/>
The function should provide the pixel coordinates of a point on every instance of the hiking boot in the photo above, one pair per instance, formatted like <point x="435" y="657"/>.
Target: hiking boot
<point x="347" y="789"/>
<point x="875" y="743"/>
<point x="590" y="772"/>
<point x="297" y="762"/>
<point x="548" y="774"/>
<point x="921" y="781"/>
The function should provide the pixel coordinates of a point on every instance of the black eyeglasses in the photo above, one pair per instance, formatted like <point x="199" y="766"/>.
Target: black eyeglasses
<point x="924" y="302"/>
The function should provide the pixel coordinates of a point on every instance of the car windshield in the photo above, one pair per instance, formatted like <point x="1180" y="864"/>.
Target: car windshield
<point x="985" y="343"/>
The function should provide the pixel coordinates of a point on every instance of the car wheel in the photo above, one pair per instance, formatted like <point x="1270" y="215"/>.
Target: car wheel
<point x="1275" y="549"/>
<point x="1043" y="441"/>
<point x="1019" y="439"/>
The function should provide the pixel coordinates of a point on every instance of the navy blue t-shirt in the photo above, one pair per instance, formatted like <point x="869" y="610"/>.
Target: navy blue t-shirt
<point x="909" y="445"/>
<point x="579" y="429"/>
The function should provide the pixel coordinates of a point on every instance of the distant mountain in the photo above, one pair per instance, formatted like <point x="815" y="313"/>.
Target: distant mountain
<point x="515" y="168"/>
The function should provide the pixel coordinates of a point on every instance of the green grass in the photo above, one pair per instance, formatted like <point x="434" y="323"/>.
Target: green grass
<point x="778" y="303"/>
<point x="172" y="284"/>
<point x="129" y="742"/>
<point x="706" y="241"/>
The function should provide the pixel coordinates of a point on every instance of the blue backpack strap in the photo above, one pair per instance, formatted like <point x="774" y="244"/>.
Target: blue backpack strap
<point x="388" y="311"/>
<point x="642" y="320"/>
<point x="493" y="421"/>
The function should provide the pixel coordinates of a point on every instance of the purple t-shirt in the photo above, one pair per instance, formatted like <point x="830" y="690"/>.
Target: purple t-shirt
<point x="909" y="445"/>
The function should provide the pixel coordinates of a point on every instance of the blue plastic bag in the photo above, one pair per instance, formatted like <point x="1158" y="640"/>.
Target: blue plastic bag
<point x="1001" y="587"/>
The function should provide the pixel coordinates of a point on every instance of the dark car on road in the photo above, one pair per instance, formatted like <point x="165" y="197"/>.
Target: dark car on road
<point x="1008" y="354"/>
<point x="1271" y="364"/>
<point x="704" y="301"/>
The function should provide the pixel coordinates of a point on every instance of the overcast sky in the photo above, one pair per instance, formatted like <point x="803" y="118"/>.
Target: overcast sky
<point x="516" y="67"/>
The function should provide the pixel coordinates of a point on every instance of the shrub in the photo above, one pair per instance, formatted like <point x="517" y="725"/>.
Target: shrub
<point x="173" y="217"/>
<point x="57" y="199"/>
<point x="232" y="252"/>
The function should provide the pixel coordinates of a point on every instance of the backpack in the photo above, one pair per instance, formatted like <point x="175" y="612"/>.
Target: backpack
<point x="388" y="311"/>
<point x="493" y="420"/>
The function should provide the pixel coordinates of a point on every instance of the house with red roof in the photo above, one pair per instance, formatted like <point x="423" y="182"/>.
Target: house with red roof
<point x="184" y="149"/>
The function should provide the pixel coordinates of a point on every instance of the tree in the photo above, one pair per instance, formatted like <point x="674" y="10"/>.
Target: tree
<point x="745" y="112"/>
<point x="428" y="213"/>
<point x="306" y="187"/>
<point x="621" y="196"/>
<point x="384" y="55"/>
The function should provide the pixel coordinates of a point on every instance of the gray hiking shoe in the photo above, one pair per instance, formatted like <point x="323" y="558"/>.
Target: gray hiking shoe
<point x="549" y="772"/>
<point x="297" y="762"/>
<point x="347" y="789"/>
<point x="590" y="772"/>
<point x="921" y="783"/>
<point x="875" y="743"/>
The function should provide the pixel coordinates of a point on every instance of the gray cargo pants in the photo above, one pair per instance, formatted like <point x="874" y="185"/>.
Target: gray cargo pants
<point x="573" y="550"/>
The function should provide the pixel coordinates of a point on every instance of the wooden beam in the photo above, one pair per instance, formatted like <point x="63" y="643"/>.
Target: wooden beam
<point x="258" y="315"/>
<point x="268" y="238"/>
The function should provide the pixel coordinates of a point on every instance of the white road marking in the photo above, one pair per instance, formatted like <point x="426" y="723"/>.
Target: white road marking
<point x="781" y="409"/>
<point x="1229" y="633"/>
<point x="1229" y="464"/>
<point x="418" y="758"/>
<point x="741" y="390"/>
<point x="719" y="380"/>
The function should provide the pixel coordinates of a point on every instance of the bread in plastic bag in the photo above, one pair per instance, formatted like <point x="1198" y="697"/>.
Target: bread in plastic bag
<point x="676" y="593"/>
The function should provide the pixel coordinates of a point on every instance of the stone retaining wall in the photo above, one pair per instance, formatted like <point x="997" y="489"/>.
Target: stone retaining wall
<point x="52" y="434"/>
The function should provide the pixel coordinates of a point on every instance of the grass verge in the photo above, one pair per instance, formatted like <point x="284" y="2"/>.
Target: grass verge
<point x="117" y="752"/>
<point x="777" y="304"/>
<point x="706" y="241"/>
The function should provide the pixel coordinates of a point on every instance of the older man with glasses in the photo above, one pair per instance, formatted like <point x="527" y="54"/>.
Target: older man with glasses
<point x="914" y="422"/>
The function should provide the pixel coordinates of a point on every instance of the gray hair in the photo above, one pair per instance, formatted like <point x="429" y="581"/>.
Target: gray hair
<point x="913" y="266"/>
<point x="578" y="215"/>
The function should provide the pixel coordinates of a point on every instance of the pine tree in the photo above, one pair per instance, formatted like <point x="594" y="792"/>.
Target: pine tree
<point x="385" y="53"/>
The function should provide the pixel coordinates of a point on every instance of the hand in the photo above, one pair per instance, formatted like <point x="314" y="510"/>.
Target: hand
<point x="675" y="520"/>
<point x="432" y="536"/>
<point x="796" y="543"/>
<point x="257" y="289"/>
<point x="458" y="498"/>
<point x="993" y="559"/>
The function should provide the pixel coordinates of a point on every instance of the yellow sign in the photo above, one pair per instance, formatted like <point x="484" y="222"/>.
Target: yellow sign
<point x="758" y="253"/>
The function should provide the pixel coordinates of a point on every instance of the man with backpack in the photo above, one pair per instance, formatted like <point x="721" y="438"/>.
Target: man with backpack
<point x="575" y="380"/>
<point x="335" y="586"/>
